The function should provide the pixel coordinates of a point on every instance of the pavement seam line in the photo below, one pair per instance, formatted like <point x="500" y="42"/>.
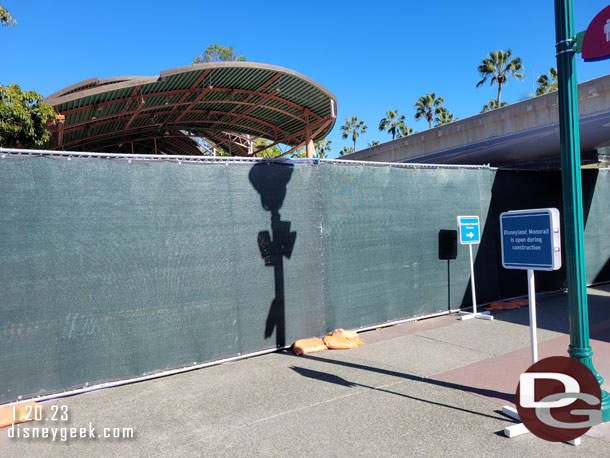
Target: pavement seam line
<point x="455" y="345"/>
<point x="270" y="417"/>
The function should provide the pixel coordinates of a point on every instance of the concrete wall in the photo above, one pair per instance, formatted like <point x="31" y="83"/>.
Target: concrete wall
<point x="517" y="133"/>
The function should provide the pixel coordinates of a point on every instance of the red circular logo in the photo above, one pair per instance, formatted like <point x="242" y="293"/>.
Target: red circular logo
<point x="558" y="399"/>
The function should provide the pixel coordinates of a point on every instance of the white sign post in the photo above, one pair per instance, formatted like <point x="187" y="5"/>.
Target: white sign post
<point x="530" y="241"/>
<point x="469" y="233"/>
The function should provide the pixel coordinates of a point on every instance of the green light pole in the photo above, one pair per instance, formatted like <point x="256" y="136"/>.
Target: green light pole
<point x="571" y="185"/>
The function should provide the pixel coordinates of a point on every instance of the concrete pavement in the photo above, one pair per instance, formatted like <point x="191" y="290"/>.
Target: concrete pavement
<point x="428" y="388"/>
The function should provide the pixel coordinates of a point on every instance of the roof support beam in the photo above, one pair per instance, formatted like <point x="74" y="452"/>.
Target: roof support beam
<point x="192" y="104"/>
<point x="61" y="119"/>
<point x="317" y="132"/>
<point x="192" y="88"/>
<point x="316" y="125"/>
<point x="110" y="119"/>
<point x="263" y="86"/>
<point x="255" y="106"/>
<point x="182" y="125"/>
<point x="191" y="91"/>
<point x="135" y="113"/>
<point x="309" y="148"/>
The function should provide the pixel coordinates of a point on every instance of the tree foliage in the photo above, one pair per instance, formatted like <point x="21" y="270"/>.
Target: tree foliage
<point x="353" y="127"/>
<point x="403" y="131"/>
<point x="261" y="143"/>
<point x="217" y="53"/>
<point x="24" y="118"/>
<point x="444" y="116"/>
<point x="546" y="84"/>
<point x="373" y="143"/>
<point x="427" y="106"/>
<point x="5" y="18"/>
<point x="394" y="124"/>
<point x="346" y="150"/>
<point x="492" y="105"/>
<point x="499" y="66"/>
<point x="321" y="146"/>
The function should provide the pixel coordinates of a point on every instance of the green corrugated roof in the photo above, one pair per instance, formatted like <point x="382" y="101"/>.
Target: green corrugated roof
<point x="239" y="97"/>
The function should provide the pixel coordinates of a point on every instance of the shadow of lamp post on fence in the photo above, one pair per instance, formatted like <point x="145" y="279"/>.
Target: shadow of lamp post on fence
<point x="270" y="180"/>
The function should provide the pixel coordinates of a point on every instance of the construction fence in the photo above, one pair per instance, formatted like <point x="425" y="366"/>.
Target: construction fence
<point x="115" y="268"/>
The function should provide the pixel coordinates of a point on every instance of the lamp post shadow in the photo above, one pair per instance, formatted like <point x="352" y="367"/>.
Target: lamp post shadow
<point x="270" y="180"/>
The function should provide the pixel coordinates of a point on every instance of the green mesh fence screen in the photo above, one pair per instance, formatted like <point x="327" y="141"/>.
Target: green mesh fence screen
<point x="113" y="269"/>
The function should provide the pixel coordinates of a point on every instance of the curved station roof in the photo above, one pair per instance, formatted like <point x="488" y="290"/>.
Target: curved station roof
<point x="227" y="104"/>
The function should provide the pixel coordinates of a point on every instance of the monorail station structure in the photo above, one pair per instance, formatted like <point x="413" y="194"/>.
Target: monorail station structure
<point x="521" y="135"/>
<point x="194" y="110"/>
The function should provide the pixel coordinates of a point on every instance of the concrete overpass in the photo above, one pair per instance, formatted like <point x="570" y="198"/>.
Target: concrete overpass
<point x="524" y="134"/>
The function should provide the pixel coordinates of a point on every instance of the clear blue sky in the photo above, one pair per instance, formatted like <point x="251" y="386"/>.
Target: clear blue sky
<point x="374" y="56"/>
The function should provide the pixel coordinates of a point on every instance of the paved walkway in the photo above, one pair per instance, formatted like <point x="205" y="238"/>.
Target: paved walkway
<point x="431" y="388"/>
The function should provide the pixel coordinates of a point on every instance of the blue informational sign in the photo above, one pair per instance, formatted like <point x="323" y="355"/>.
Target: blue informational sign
<point x="531" y="239"/>
<point x="469" y="230"/>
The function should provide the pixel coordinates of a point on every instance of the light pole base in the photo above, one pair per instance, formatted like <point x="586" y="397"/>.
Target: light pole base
<point x="605" y="406"/>
<point x="584" y="355"/>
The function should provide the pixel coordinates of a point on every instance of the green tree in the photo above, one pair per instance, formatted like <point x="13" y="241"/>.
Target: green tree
<point x="546" y="84"/>
<point x="404" y="131"/>
<point x="499" y="66"/>
<point x="322" y="147"/>
<point x="5" y="18"/>
<point x="492" y="105"/>
<point x="444" y="117"/>
<point x="427" y="106"/>
<point x="24" y="118"/>
<point x="217" y="53"/>
<point x="393" y="124"/>
<point x="353" y="127"/>
<point x="346" y="150"/>
<point x="373" y="143"/>
<point x="261" y="143"/>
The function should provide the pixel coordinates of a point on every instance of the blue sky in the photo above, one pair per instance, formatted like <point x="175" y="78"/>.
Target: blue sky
<point x="374" y="56"/>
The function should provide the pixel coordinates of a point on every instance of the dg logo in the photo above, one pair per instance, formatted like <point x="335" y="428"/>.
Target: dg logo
<point x="559" y="399"/>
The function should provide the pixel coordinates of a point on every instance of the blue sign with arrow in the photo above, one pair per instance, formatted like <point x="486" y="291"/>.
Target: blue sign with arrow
<point x="469" y="230"/>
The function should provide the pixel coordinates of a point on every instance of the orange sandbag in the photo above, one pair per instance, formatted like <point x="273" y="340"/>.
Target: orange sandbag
<point x="494" y="306"/>
<point x="304" y="346"/>
<point x="342" y="343"/>
<point x="19" y="413"/>
<point x="502" y="306"/>
<point x="523" y="302"/>
<point x="343" y="333"/>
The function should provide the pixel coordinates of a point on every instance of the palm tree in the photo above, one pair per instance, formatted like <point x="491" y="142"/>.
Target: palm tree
<point x="322" y="147"/>
<point x="404" y="131"/>
<point x="545" y="85"/>
<point x="427" y="106"/>
<point x="5" y="18"/>
<point x="346" y="150"/>
<point x="392" y="123"/>
<point x="373" y="143"/>
<point x="444" y="117"/>
<point x="354" y="127"/>
<point x="498" y="65"/>
<point x="492" y="105"/>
